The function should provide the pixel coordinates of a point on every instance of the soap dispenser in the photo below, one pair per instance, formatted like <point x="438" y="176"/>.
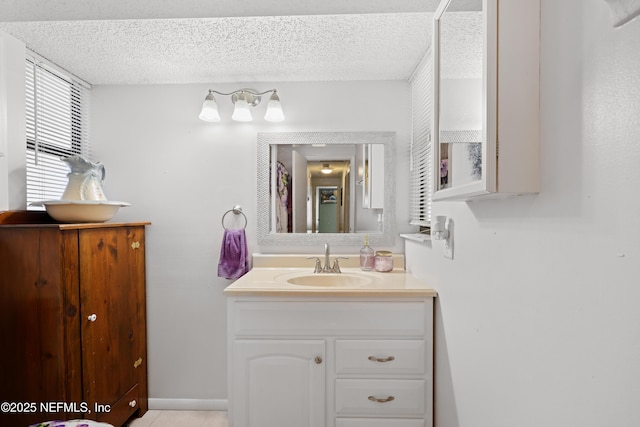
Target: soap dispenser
<point x="367" y="256"/>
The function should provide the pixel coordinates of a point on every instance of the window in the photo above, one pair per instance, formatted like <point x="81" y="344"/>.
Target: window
<point x="421" y="162"/>
<point x="57" y="126"/>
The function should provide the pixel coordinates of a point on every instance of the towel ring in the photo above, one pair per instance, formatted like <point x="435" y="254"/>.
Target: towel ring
<point x="237" y="210"/>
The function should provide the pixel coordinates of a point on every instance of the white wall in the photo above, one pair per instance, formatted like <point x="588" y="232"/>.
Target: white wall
<point x="183" y="174"/>
<point x="537" y="319"/>
<point x="12" y="123"/>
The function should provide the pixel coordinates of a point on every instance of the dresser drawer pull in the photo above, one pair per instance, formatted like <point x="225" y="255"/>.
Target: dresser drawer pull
<point x="375" y="399"/>
<point x="386" y="359"/>
<point x="133" y="403"/>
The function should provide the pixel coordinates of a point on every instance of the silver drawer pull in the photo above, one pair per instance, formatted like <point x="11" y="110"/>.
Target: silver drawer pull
<point x="133" y="403"/>
<point x="376" y="359"/>
<point x="92" y="317"/>
<point x="375" y="399"/>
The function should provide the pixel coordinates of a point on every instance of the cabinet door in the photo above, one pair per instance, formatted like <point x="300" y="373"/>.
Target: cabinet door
<point x="278" y="383"/>
<point x="39" y="327"/>
<point x="111" y="291"/>
<point x="462" y="147"/>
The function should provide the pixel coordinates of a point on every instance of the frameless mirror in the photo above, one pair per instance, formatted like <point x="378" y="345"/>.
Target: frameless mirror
<point x="333" y="187"/>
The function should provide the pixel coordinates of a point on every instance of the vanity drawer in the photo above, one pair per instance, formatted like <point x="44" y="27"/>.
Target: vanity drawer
<point x="379" y="422"/>
<point x="311" y="318"/>
<point x="380" y="357"/>
<point x="367" y="397"/>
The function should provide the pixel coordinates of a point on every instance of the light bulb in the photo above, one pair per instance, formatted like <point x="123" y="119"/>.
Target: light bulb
<point x="241" y="112"/>
<point x="274" y="109"/>
<point x="209" y="112"/>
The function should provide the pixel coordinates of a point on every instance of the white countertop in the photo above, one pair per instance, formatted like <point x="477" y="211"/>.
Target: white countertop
<point x="272" y="281"/>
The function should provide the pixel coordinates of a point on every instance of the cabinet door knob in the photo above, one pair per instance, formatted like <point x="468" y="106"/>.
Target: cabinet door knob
<point x="318" y="360"/>
<point x="133" y="403"/>
<point x="386" y="359"/>
<point x="385" y="400"/>
<point x="92" y="318"/>
<point x="135" y="245"/>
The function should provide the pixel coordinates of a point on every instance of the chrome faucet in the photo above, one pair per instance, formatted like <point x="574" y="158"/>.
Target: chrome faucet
<point x="326" y="258"/>
<point x="327" y="263"/>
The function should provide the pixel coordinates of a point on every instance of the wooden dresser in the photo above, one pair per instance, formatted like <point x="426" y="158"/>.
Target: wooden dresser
<point x="73" y="328"/>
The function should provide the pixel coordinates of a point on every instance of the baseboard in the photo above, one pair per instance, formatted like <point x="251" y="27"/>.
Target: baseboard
<point x="189" y="404"/>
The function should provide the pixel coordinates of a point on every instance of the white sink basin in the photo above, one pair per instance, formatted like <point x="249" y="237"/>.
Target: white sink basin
<point x="71" y="211"/>
<point x="327" y="280"/>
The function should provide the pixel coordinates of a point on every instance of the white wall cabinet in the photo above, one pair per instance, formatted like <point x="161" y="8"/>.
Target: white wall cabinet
<point x="486" y="99"/>
<point x="330" y="362"/>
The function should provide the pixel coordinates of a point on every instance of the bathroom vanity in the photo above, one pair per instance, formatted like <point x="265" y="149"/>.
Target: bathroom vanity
<point x="347" y="350"/>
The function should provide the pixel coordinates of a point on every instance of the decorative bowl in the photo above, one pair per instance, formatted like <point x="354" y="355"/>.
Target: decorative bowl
<point x="71" y="211"/>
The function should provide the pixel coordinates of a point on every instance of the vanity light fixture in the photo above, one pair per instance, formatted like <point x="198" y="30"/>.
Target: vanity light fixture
<point x="326" y="169"/>
<point x="244" y="100"/>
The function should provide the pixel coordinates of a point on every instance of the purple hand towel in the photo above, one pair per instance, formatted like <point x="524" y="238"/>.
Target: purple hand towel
<point x="233" y="254"/>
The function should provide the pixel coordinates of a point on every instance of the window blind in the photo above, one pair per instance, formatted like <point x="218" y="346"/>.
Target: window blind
<point x="421" y="163"/>
<point x="57" y="125"/>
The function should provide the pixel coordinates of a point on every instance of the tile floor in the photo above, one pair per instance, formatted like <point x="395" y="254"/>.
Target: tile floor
<point x="154" y="418"/>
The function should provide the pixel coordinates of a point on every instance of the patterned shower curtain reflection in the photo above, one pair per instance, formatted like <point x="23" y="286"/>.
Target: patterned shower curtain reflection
<point x="284" y="206"/>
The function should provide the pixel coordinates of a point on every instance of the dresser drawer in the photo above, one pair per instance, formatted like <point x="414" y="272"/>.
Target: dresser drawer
<point x="379" y="422"/>
<point x="121" y="410"/>
<point x="380" y="357"/>
<point x="380" y="397"/>
<point x="321" y="318"/>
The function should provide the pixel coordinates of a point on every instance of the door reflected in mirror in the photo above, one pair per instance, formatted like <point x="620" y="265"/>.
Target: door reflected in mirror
<point x="328" y="218"/>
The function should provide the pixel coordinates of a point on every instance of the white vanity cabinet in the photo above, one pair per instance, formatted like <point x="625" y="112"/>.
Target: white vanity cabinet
<point x="318" y="361"/>
<point x="486" y="98"/>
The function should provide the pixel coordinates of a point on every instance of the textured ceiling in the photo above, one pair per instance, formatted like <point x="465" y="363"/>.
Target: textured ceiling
<point x="197" y="41"/>
<point x="71" y="10"/>
<point x="220" y="41"/>
<point x="233" y="49"/>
